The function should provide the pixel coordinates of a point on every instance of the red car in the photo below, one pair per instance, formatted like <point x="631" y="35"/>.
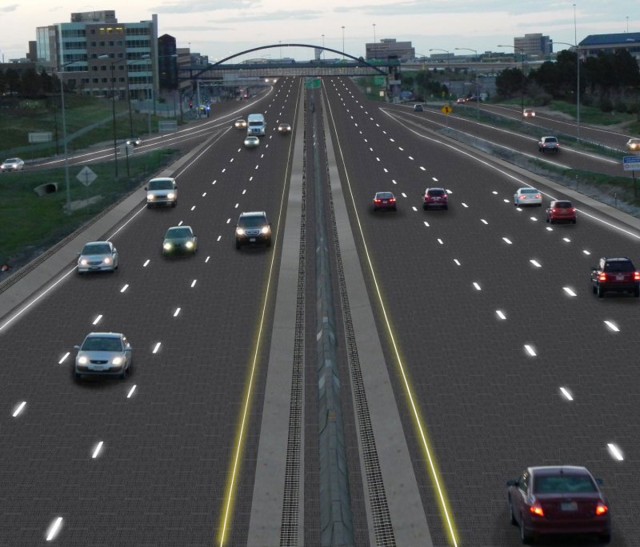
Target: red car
<point x="561" y="210"/>
<point x="558" y="500"/>
<point x="384" y="200"/>
<point x="435" y="197"/>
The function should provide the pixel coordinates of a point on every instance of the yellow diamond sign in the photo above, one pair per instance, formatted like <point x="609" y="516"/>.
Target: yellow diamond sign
<point x="446" y="109"/>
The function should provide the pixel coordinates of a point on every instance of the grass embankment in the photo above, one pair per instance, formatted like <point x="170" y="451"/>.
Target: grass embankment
<point x="29" y="223"/>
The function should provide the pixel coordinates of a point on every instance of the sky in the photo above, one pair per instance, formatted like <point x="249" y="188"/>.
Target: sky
<point x="221" y="28"/>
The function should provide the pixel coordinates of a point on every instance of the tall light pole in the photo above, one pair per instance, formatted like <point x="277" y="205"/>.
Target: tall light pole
<point x="343" y="41"/>
<point x="321" y="54"/>
<point x="374" y="33"/>
<point x="577" y="84"/>
<point x="64" y="136"/>
<point x="113" y="109"/>
<point x="477" y="93"/>
<point x="516" y="48"/>
<point x="448" y="66"/>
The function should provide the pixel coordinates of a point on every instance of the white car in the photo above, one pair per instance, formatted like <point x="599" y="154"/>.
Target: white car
<point x="528" y="113"/>
<point x="162" y="191"/>
<point x="12" y="164"/>
<point x="251" y="141"/>
<point x="98" y="256"/>
<point x="104" y="354"/>
<point x="527" y="196"/>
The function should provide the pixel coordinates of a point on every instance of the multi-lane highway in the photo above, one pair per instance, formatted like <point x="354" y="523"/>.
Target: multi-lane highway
<point x="486" y="352"/>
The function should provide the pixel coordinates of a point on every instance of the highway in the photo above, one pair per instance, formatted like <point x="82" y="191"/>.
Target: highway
<point x="497" y="353"/>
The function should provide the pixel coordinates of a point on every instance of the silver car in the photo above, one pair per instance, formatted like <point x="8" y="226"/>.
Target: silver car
<point x="527" y="196"/>
<point x="162" y="191"/>
<point x="633" y="144"/>
<point x="104" y="354"/>
<point x="98" y="256"/>
<point x="12" y="164"/>
<point x="251" y="141"/>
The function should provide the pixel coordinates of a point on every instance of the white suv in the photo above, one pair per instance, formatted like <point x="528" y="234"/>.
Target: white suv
<point x="162" y="191"/>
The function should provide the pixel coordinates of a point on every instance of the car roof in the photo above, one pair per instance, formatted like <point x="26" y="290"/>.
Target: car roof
<point x="558" y="469"/>
<point x="253" y="214"/>
<point x="179" y="227"/>
<point x="528" y="189"/>
<point x="106" y="334"/>
<point x="162" y="178"/>
<point x="616" y="259"/>
<point x="550" y="137"/>
<point x="435" y="188"/>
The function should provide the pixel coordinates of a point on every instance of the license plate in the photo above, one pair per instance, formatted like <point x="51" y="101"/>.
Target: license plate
<point x="569" y="506"/>
<point x="620" y="277"/>
<point x="252" y="239"/>
<point x="384" y="201"/>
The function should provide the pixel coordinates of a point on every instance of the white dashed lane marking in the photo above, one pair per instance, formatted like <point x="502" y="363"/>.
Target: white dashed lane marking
<point x="566" y="394"/>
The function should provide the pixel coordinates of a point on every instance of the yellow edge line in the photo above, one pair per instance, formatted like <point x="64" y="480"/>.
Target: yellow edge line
<point x="421" y="428"/>
<point x="238" y="450"/>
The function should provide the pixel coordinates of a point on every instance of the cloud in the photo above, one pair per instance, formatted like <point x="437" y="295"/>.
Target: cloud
<point x="204" y="6"/>
<point x="274" y="16"/>
<point x="9" y="8"/>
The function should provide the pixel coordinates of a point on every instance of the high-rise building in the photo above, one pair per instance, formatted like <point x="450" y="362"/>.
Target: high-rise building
<point x="96" y="55"/>
<point x="533" y="45"/>
<point x="389" y="48"/>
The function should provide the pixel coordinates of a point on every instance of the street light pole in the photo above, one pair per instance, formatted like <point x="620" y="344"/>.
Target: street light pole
<point x="343" y="41"/>
<point x="477" y="93"/>
<point x="64" y="137"/>
<point x="448" y="67"/>
<point x="113" y="111"/>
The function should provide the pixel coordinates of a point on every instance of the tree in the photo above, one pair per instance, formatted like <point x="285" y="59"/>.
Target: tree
<point x="30" y="83"/>
<point x="510" y="82"/>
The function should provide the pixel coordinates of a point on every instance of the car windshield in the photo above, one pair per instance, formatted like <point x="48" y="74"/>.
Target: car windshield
<point x="12" y="160"/>
<point x="435" y="193"/>
<point x="178" y="233"/>
<point x="102" y="343"/>
<point x="160" y="185"/>
<point x="251" y="222"/>
<point x="528" y="191"/>
<point x="96" y="249"/>
<point x="563" y="484"/>
<point x="619" y="266"/>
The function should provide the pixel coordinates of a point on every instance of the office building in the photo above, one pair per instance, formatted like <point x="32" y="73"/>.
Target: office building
<point x="533" y="45"/>
<point x="390" y="48"/>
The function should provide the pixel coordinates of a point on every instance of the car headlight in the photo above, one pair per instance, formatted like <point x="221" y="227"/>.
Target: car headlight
<point x="189" y="244"/>
<point x="171" y="195"/>
<point x="239" y="231"/>
<point x="167" y="246"/>
<point x="83" y="360"/>
<point x="107" y="260"/>
<point x="117" y="361"/>
<point x="151" y="197"/>
<point x="265" y="230"/>
<point x="83" y="262"/>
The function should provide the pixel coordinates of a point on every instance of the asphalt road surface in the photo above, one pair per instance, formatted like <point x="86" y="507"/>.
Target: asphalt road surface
<point x="496" y="352"/>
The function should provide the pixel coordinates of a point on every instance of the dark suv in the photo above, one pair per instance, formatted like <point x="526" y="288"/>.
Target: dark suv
<point x="253" y="228"/>
<point x="435" y="197"/>
<point x="615" y="274"/>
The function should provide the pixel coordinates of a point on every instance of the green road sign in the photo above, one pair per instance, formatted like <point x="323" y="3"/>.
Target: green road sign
<point x="313" y="83"/>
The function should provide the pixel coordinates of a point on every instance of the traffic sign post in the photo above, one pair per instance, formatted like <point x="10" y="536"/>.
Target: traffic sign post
<point x="86" y="176"/>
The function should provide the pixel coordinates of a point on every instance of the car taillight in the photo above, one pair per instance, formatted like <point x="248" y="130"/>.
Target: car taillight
<point x="573" y="210"/>
<point x="536" y="509"/>
<point x="601" y="509"/>
<point x="602" y="277"/>
<point x="392" y="200"/>
<point x="376" y="200"/>
<point x="636" y="276"/>
<point x="538" y="196"/>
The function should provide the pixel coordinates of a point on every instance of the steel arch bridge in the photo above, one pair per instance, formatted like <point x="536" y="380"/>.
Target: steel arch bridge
<point x="356" y="66"/>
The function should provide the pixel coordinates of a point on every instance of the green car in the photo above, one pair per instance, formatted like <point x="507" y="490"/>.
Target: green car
<point x="179" y="240"/>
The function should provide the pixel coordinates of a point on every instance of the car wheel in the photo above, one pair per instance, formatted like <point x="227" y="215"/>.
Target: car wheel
<point x="424" y="207"/>
<point x="512" y="517"/>
<point x="123" y="374"/>
<point x="600" y="291"/>
<point x="593" y="289"/>
<point x="574" y="221"/>
<point x="636" y="292"/>
<point x="237" y="245"/>
<point x="604" y="538"/>
<point x="547" y="219"/>
<point x="526" y="537"/>
<point x="174" y="204"/>
<point x="268" y="243"/>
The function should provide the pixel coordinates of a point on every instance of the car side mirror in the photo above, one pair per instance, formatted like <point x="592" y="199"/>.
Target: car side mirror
<point x="76" y="347"/>
<point x="145" y="188"/>
<point x="512" y="483"/>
